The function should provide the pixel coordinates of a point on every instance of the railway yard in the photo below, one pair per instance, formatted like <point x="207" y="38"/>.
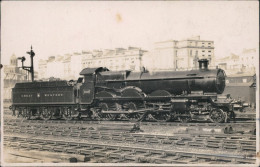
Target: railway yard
<point x="86" y="141"/>
<point x="163" y="117"/>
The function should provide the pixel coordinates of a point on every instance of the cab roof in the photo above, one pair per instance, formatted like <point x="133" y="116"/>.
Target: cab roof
<point x="90" y="71"/>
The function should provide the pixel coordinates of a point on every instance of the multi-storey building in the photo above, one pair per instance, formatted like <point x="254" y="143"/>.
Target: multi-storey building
<point x="245" y="62"/>
<point x="13" y="72"/>
<point x="231" y="64"/>
<point x="75" y="65"/>
<point x="184" y="54"/>
<point x="69" y="66"/>
<point x="12" y="75"/>
<point x="249" y="59"/>
<point x="116" y="60"/>
<point x="53" y="67"/>
<point x="42" y="67"/>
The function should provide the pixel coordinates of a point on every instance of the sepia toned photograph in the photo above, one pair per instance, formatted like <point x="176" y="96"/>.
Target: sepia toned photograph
<point x="129" y="83"/>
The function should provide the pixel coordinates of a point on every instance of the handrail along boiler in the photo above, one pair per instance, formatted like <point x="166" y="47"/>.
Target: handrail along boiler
<point x="110" y="95"/>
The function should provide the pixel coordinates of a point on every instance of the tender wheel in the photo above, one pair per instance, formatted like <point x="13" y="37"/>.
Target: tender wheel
<point x="18" y="113"/>
<point x="69" y="113"/>
<point x="46" y="114"/>
<point x="218" y="116"/>
<point x="133" y="116"/>
<point x="28" y="114"/>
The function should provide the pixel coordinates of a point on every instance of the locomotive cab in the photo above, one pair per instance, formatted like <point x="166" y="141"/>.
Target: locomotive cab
<point x="87" y="89"/>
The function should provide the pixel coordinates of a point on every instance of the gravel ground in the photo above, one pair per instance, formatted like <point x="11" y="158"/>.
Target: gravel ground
<point x="145" y="129"/>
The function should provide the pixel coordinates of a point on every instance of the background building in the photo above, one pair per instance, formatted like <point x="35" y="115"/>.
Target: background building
<point x="12" y="75"/>
<point x="69" y="66"/>
<point x="115" y="60"/>
<point x="248" y="59"/>
<point x="241" y="77"/>
<point x="230" y="63"/>
<point x="184" y="54"/>
<point x="243" y="63"/>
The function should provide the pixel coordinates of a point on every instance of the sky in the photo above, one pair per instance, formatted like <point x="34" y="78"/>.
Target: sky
<point x="60" y="27"/>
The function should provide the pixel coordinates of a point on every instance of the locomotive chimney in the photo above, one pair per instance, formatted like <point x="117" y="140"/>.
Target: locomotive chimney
<point x="203" y="64"/>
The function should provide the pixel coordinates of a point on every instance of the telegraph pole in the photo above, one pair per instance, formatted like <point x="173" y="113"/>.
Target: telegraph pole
<point x="30" y="69"/>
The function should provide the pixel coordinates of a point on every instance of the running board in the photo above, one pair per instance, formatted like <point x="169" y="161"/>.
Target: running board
<point x="131" y="112"/>
<point x="125" y="112"/>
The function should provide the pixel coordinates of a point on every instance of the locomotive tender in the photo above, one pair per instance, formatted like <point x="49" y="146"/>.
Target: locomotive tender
<point x="108" y="95"/>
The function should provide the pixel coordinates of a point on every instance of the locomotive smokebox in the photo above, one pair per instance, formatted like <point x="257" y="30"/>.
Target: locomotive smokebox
<point x="203" y="64"/>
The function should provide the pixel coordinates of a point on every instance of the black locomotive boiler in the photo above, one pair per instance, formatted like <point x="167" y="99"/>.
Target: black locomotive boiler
<point x="109" y="95"/>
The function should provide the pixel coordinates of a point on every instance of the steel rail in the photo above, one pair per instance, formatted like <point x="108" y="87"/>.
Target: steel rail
<point x="124" y="154"/>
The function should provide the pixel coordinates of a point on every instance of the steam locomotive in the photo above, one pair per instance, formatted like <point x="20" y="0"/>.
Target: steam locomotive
<point x="124" y="95"/>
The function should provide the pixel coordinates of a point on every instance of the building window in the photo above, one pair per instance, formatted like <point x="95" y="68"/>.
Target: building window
<point x="209" y="43"/>
<point x="190" y="52"/>
<point x="209" y="51"/>
<point x="203" y="51"/>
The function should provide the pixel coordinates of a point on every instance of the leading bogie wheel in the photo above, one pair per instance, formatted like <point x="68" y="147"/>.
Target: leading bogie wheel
<point x="218" y="116"/>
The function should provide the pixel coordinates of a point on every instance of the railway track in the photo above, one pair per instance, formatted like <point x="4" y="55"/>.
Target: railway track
<point x="239" y="143"/>
<point x="104" y="153"/>
<point x="228" y="128"/>
<point x="100" y="137"/>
